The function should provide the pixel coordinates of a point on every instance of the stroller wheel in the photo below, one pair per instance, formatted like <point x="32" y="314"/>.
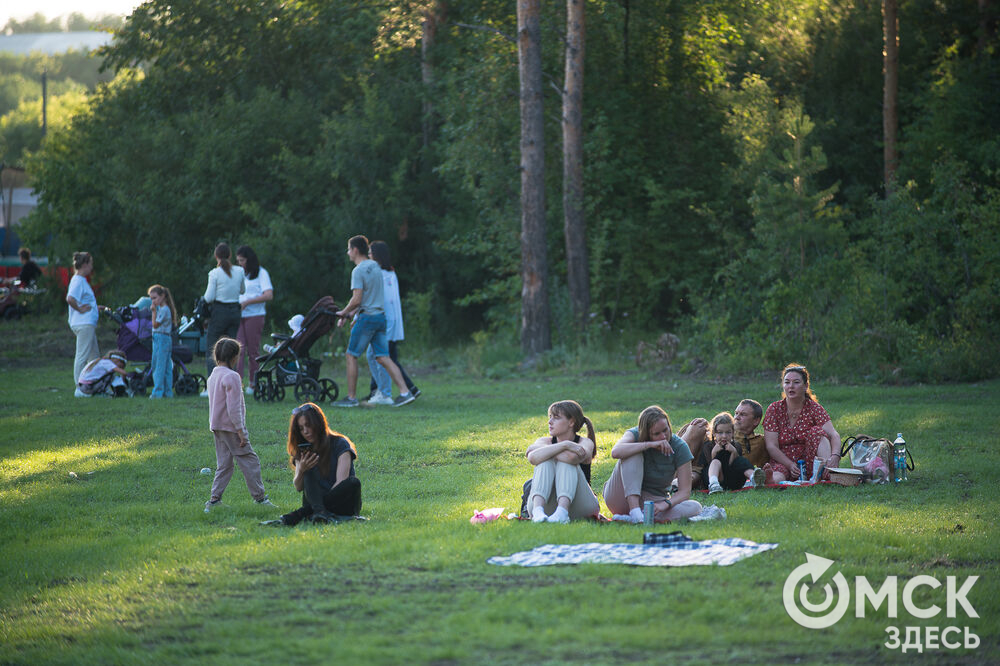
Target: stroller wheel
<point x="278" y="392"/>
<point x="186" y="385"/>
<point x="201" y="382"/>
<point x="330" y="390"/>
<point x="308" y="390"/>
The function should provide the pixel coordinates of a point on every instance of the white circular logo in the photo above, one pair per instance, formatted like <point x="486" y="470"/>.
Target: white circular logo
<point x="814" y="567"/>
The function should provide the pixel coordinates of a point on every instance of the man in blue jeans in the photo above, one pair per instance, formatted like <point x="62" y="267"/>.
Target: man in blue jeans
<point x="370" y="325"/>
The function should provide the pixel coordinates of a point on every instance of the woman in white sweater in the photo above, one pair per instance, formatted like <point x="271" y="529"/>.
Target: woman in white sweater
<point x="225" y="284"/>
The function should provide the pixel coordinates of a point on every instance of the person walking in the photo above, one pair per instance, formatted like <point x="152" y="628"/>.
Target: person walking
<point x="370" y="327"/>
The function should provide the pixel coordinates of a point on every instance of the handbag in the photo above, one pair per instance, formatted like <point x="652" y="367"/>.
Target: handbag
<point x="874" y="456"/>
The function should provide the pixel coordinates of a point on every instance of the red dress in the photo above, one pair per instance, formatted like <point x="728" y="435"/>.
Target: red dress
<point x="799" y="441"/>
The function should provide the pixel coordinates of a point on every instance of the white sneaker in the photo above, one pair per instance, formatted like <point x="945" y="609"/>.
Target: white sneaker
<point x="714" y="487"/>
<point x="380" y="399"/>
<point x="79" y="394"/>
<point x="203" y="394"/>
<point x="249" y="390"/>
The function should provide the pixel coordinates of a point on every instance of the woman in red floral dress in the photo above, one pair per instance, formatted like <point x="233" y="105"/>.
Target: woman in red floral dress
<point x="798" y="428"/>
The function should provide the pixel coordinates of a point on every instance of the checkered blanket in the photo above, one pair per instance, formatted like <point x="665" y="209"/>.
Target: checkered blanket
<point x="660" y="550"/>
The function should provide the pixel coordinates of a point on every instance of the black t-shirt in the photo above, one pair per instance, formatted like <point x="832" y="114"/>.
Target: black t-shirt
<point x="30" y="272"/>
<point x="338" y="446"/>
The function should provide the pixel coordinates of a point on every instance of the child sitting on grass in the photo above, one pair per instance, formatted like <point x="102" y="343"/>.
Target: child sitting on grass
<point x="729" y="469"/>
<point x="227" y="418"/>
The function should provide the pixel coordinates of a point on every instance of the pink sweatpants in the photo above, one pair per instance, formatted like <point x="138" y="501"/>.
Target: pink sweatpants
<point x="228" y="450"/>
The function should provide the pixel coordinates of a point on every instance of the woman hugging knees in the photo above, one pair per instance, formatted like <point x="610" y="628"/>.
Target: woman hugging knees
<point x="560" y="486"/>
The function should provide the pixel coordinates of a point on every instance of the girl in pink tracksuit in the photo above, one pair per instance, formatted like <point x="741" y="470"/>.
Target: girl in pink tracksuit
<point x="227" y="418"/>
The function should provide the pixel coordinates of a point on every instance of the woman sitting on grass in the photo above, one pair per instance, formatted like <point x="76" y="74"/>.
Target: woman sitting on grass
<point x="560" y="487"/>
<point x="798" y="428"/>
<point x="323" y="464"/>
<point x="649" y="457"/>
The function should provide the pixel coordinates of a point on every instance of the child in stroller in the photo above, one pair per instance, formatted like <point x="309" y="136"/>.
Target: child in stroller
<point x="104" y="376"/>
<point x="288" y="364"/>
<point x="135" y="339"/>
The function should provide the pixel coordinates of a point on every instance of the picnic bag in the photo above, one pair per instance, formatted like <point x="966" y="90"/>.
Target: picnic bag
<point x="872" y="455"/>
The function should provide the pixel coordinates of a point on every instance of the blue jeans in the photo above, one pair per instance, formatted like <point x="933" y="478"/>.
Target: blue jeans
<point x="368" y="329"/>
<point x="380" y="376"/>
<point x="163" y="366"/>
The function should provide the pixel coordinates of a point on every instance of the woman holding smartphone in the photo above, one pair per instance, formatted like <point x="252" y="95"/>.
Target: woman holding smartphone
<point x="323" y="464"/>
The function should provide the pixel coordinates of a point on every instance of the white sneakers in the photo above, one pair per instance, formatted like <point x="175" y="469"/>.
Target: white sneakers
<point x="380" y="399"/>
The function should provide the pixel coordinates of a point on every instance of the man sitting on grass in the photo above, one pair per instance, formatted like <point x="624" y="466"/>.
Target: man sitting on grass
<point x="747" y="417"/>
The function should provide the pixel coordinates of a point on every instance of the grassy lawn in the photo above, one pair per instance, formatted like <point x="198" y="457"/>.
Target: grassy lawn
<point x="121" y="565"/>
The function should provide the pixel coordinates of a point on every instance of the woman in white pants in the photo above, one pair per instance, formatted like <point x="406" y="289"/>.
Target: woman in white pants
<point x="560" y="487"/>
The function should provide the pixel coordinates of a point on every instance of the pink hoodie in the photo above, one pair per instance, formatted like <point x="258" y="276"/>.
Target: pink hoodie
<point x="226" y="409"/>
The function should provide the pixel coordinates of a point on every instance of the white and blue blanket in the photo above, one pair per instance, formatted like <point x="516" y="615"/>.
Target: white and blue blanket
<point x="661" y="550"/>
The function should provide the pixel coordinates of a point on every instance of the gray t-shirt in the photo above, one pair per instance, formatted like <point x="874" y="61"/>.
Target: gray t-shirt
<point x="367" y="276"/>
<point x="659" y="470"/>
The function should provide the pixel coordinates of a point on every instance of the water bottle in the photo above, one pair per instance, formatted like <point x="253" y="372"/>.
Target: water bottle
<point x="899" y="461"/>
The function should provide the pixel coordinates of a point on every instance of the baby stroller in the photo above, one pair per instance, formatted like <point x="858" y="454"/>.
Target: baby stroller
<point x="135" y="338"/>
<point x="289" y="364"/>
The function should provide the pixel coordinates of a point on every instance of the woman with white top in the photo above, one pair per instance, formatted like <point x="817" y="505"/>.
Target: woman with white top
<point x="225" y="284"/>
<point x="381" y="384"/>
<point x="83" y="312"/>
<point x="257" y="291"/>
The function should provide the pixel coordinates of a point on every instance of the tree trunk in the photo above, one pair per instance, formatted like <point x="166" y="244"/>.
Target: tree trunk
<point x="574" y="224"/>
<point x="433" y="17"/>
<point x="535" y="336"/>
<point x="987" y="25"/>
<point x="890" y="117"/>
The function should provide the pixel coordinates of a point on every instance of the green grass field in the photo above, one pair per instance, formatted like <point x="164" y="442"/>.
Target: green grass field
<point x="121" y="565"/>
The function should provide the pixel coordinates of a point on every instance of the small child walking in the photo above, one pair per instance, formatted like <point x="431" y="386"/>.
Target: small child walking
<point x="164" y="319"/>
<point x="227" y="419"/>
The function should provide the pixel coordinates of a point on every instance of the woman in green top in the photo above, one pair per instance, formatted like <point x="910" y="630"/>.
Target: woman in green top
<point x="649" y="457"/>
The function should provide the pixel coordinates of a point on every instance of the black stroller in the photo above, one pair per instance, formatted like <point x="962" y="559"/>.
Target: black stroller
<point x="289" y="363"/>
<point x="135" y="338"/>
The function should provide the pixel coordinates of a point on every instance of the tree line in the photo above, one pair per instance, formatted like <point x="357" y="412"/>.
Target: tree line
<point x="731" y="169"/>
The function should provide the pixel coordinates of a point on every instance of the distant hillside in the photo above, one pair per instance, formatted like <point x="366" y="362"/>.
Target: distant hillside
<point x="52" y="43"/>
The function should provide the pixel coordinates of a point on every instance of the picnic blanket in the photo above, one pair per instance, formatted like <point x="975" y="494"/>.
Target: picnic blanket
<point x="661" y="550"/>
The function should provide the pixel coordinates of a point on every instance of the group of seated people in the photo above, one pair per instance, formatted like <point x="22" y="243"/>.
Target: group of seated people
<point x="652" y="462"/>
<point x="655" y="464"/>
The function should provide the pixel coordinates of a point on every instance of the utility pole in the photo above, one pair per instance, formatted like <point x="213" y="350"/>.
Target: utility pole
<point x="45" y="90"/>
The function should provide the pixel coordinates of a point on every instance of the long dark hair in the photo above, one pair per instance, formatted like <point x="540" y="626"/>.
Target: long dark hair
<point x="222" y="255"/>
<point x="379" y="251"/>
<point x="318" y="423"/>
<point x="253" y="263"/>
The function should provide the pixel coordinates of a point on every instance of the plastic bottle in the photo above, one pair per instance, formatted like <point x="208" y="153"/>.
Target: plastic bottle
<point x="899" y="459"/>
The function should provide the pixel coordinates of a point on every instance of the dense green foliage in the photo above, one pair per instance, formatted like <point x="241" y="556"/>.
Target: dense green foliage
<point x="69" y="76"/>
<point x="120" y="564"/>
<point x="732" y="166"/>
